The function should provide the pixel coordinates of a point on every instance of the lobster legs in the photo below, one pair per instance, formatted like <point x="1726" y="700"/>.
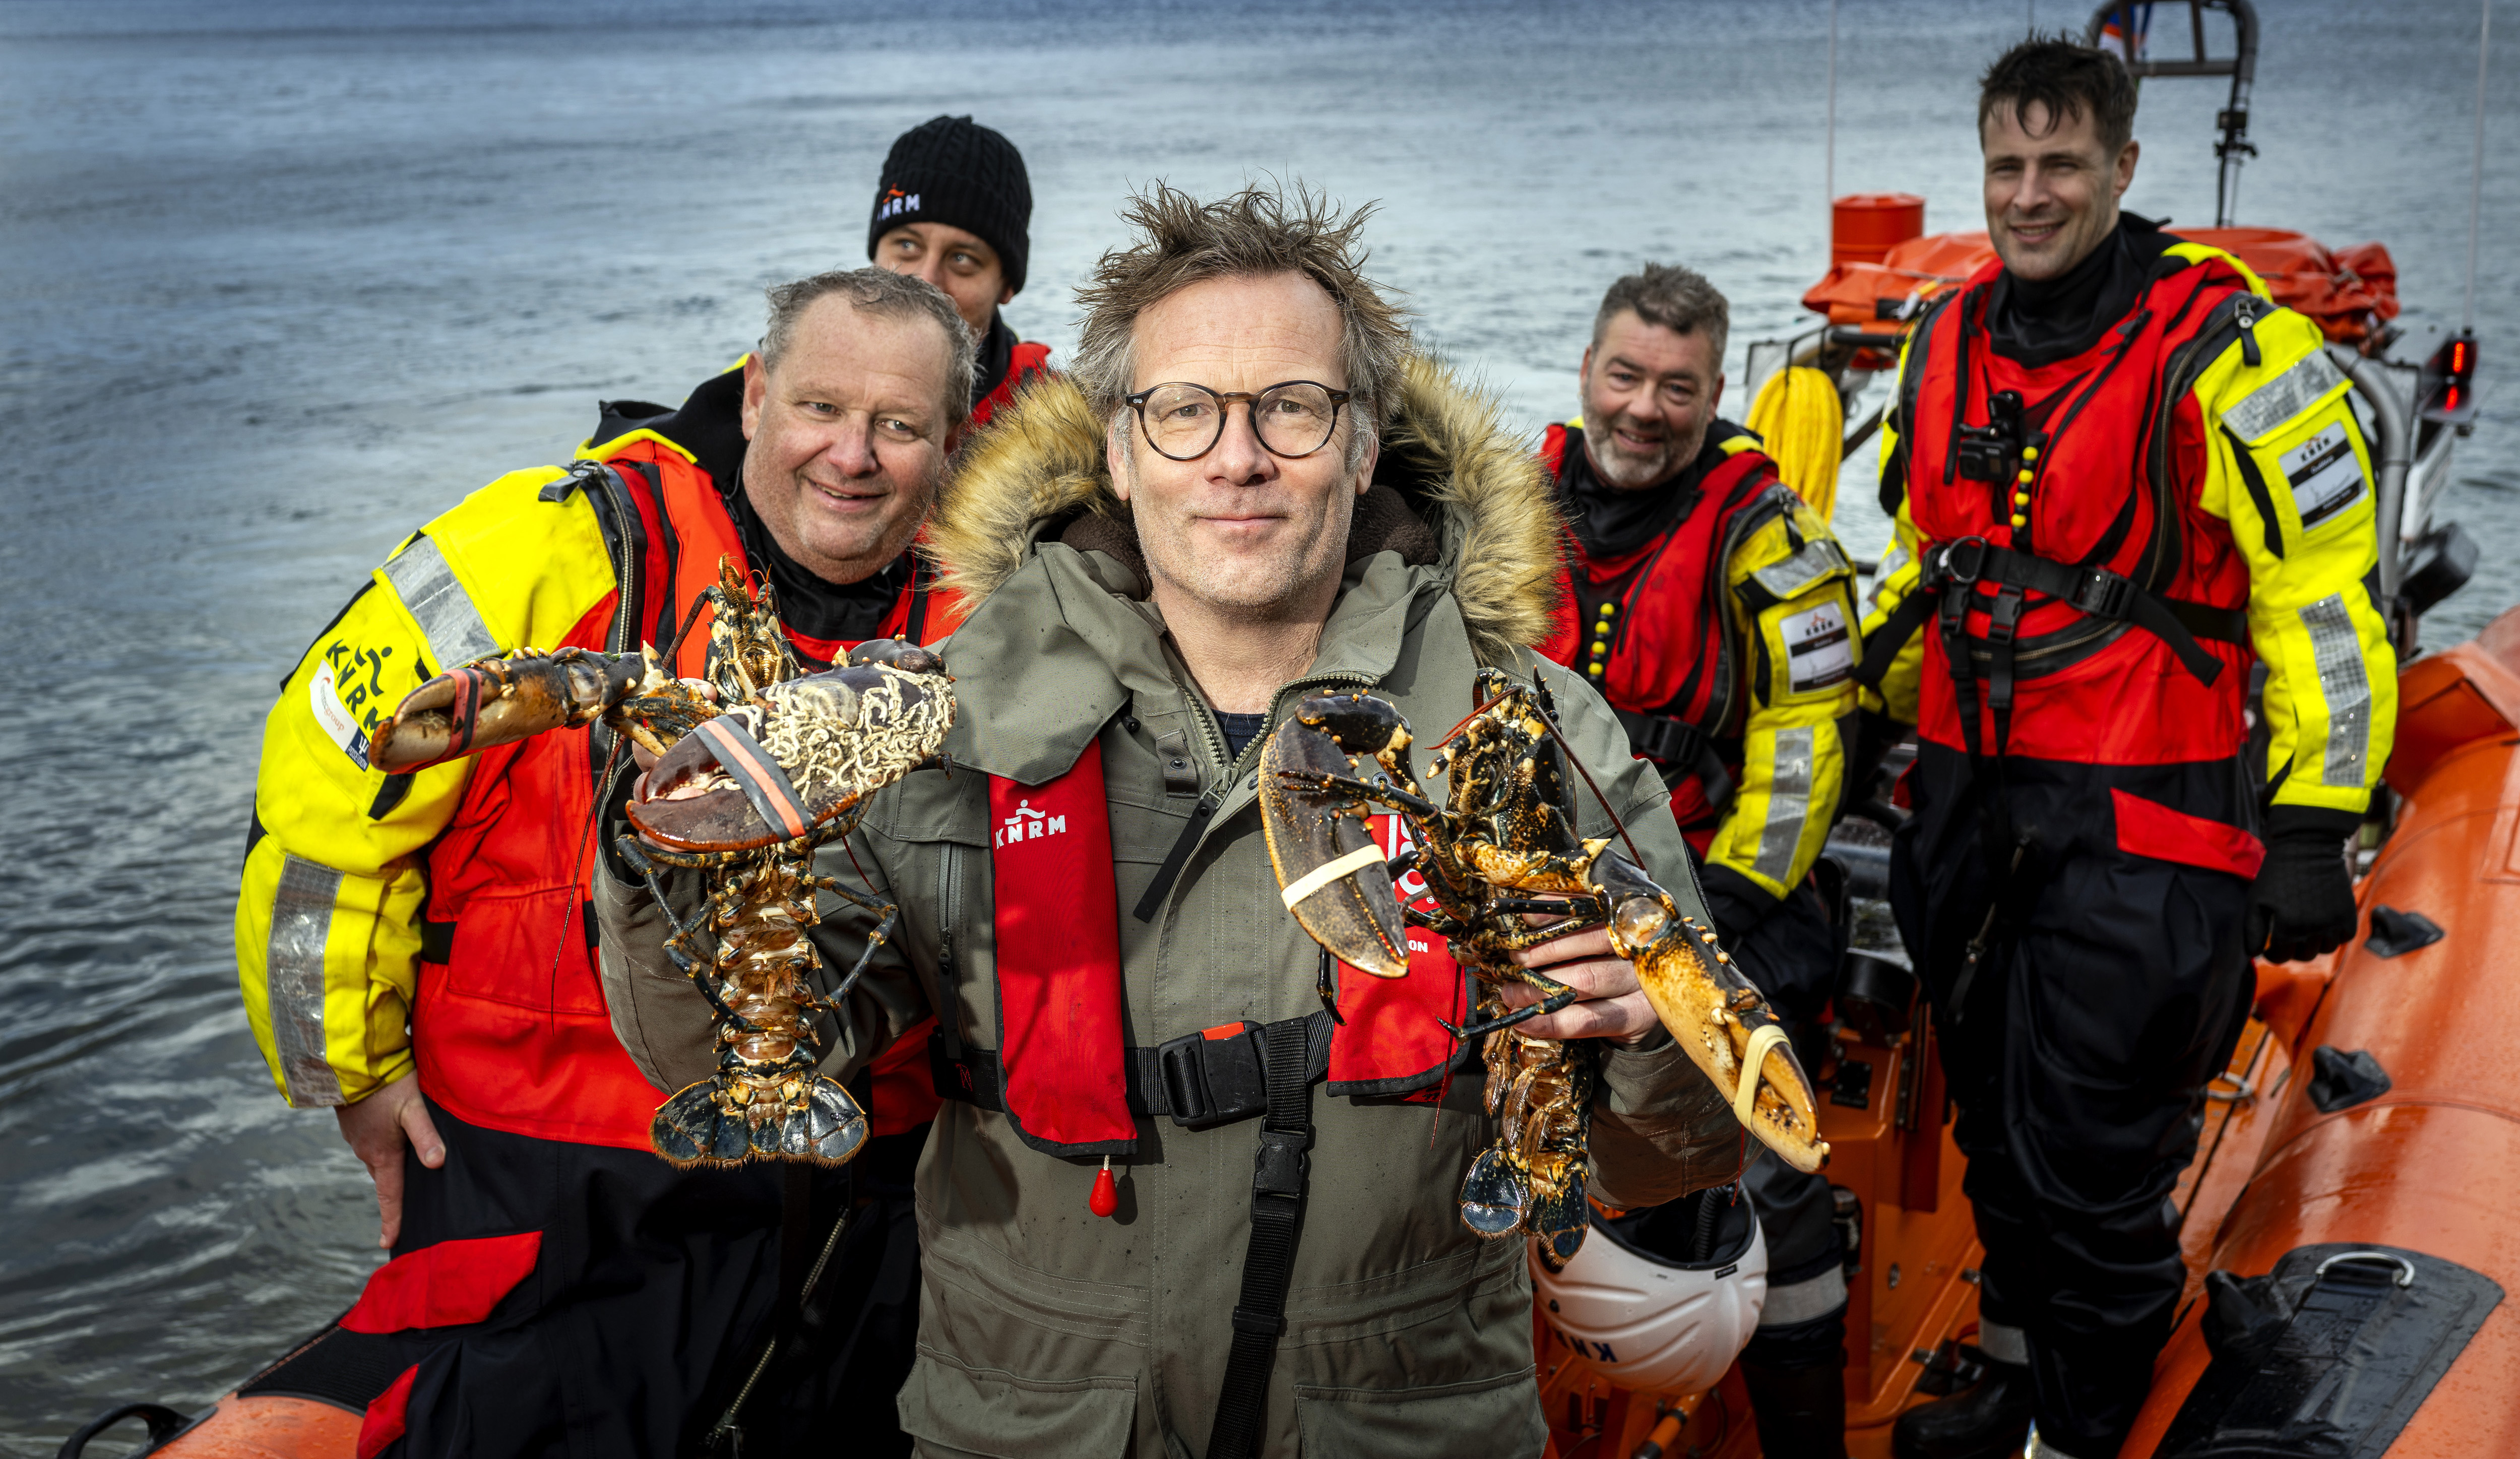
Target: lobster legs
<point x="1500" y="852"/>
<point x="766" y="1099"/>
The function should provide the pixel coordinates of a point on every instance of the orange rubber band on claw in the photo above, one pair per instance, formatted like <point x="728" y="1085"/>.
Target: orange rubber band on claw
<point x="763" y="783"/>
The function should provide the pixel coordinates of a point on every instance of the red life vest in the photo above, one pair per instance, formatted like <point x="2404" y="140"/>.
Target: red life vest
<point x="2114" y="486"/>
<point x="1066" y="1067"/>
<point x="509" y="1027"/>
<point x="1649" y="627"/>
<point x="1025" y="360"/>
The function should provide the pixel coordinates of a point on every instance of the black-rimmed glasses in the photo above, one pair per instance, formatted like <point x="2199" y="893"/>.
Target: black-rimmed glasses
<point x="1185" y="421"/>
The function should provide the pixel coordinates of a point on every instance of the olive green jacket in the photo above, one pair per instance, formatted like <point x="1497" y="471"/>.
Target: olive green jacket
<point x="1045" y="1331"/>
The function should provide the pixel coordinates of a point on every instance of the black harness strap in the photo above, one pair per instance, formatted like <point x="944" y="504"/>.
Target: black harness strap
<point x="1198" y="1081"/>
<point x="1881" y="646"/>
<point x="1277" y="1175"/>
<point x="922" y="578"/>
<point x="2096" y="591"/>
<point x="1678" y="742"/>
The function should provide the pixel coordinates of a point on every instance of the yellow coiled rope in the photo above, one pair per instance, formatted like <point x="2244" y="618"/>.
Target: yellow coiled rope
<point x="1799" y="416"/>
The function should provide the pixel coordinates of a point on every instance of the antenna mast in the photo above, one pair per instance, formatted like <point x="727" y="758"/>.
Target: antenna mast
<point x="2476" y="173"/>
<point x="1829" y="176"/>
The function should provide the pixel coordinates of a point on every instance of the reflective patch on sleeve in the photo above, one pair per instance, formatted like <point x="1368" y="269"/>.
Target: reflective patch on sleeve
<point x="2326" y="477"/>
<point x="2286" y="396"/>
<point x="1819" y="649"/>
<point x="2337" y="650"/>
<point x="1818" y="558"/>
<point x="301" y="920"/>
<point x="324" y="697"/>
<point x="1891" y="562"/>
<point x="445" y="613"/>
<point x="1788" y="802"/>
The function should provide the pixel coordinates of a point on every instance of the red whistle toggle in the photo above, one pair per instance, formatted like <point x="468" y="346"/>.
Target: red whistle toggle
<point x="1106" y="1192"/>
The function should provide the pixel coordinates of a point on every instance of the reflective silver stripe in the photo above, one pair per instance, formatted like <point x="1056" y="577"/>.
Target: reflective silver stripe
<point x="2338" y="651"/>
<point x="2003" y="1344"/>
<point x="1891" y="562"/>
<point x="2286" y="396"/>
<point x="427" y="587"/>
<point x="1818" y="558"/>
<point x="302" y="918"/>
<point x="1804" y="1301"/>
<point x="1788" y="802"/>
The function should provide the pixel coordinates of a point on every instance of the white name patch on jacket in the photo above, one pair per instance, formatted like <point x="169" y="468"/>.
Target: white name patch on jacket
<point x="323" y="695"/>
<point x="1820" y="652"/>
<point x="2323" y="474"/>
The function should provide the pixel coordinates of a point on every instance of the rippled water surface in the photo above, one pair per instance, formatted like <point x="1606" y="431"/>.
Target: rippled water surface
<point x="278" y="282"/>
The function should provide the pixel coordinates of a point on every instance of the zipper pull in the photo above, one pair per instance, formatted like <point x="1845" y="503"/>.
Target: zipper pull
<point x="2246" y="312"/>
<point x="1170" y="872"/>
<point x="1105" y="1200"/>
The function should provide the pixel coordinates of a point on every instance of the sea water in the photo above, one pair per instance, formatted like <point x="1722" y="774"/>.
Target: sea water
<point x="278" y="282"/>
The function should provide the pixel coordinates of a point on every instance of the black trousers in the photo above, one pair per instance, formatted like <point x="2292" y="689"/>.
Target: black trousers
<point x="835" y="1387"/>
<point x="633" y="1330"/>
<point x="2114" y="987"/>
<point x="1792" y="956"/>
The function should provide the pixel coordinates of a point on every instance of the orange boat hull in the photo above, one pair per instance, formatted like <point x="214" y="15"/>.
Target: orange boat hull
<point x="2424" y="1166"/>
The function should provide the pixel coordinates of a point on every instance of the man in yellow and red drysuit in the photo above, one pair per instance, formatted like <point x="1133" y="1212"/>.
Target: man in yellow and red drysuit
<point x="1715" y="612"/>
<point x="416" y="952"/>
<point x="2121" y="479"/>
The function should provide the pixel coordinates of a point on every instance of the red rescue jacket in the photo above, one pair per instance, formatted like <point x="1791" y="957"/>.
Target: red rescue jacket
<point x="2114" y="485"/>
<point x="510" y="1031"/>
<point x="1648" y="627"/>
<point x="1026" y="359"/>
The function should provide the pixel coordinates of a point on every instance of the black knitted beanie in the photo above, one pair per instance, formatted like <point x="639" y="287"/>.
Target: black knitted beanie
<point x="953" y="171"/>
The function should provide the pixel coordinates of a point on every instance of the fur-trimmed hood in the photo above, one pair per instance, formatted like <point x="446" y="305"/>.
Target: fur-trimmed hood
<point x="1453" y="487"/>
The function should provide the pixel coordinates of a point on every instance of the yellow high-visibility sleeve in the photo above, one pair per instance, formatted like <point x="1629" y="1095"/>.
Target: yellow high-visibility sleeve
<point x="328" y="912"/>
<point x="2288" y="469"/>
<point x="1792" y="602"/>
<point x="1900" y="572"/>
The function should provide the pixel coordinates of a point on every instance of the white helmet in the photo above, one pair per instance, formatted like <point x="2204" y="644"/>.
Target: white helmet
<point x="1653" y="1304"/>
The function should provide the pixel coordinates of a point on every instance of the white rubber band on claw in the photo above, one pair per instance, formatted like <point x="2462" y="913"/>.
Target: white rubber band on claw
<point x="1321" y="876"/>
<point x="1747" y="1095"/>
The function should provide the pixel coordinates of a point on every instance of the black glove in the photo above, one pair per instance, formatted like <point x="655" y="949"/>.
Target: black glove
<point x="1737" y="903"/>
<point x="2302" y="903"/>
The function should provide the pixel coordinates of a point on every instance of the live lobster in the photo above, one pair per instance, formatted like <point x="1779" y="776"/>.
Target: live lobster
<point x="759" y="764"/>
<point x="1502" y="850"/>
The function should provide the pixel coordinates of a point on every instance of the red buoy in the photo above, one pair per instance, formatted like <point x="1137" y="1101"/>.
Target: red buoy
<point x="1106" y="1192"/>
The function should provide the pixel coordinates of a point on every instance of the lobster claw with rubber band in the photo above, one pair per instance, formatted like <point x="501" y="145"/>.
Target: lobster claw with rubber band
<point x="512" y="698"/>
<point x="758" y="764"/>
<point x="1501" y="848"/>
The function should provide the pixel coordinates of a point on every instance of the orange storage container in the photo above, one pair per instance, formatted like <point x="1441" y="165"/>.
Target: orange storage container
<point x="1862" y="226"/>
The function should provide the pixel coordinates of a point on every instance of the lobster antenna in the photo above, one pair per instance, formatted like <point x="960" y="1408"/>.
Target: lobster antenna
<point x="1452" y="734"/>
<point x="1598" y="799"/>
<point x="685" y="632"/>
<point x="1550" y="723"/>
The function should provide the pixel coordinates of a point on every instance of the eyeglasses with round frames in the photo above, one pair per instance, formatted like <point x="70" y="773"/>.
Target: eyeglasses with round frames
<point x="1293" y="418"/>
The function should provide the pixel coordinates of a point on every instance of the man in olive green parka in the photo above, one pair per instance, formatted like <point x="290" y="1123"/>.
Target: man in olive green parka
<point x="1249" y="490"/>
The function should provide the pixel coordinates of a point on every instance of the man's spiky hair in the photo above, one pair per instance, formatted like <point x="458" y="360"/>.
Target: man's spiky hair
<point x="1255" y="232"/>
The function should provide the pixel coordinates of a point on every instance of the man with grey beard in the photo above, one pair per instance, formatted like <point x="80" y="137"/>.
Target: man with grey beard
<point x="1715" y="612"/>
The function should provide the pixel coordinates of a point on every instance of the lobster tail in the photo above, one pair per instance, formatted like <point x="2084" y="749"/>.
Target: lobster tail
<point x="1559" y="1220"/>
<point x="712" y="1124"/>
